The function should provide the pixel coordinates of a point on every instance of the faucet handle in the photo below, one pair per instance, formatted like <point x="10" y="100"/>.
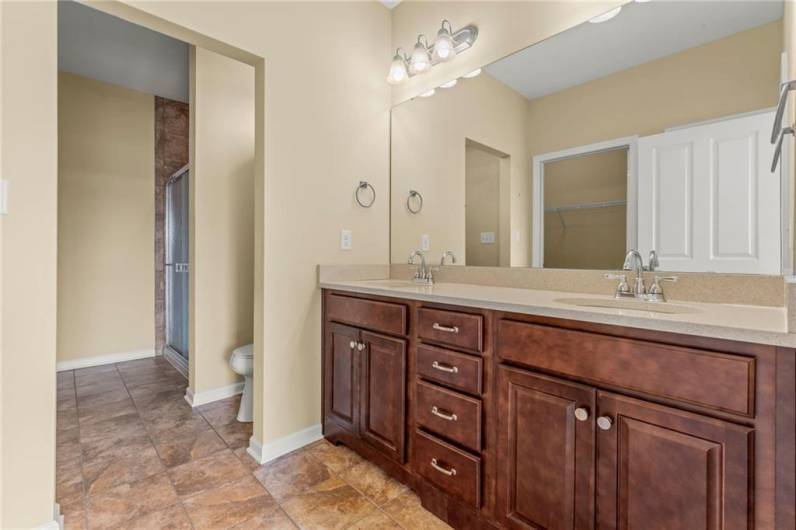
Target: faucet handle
<point x="656" y="290"/>
<point x="623" y="287"/>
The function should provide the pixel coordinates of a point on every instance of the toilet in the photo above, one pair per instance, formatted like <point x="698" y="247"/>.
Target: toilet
<point x="242" y="363"/>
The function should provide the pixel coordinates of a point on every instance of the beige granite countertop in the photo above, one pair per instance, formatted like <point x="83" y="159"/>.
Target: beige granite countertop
<point x="748" y="323"/>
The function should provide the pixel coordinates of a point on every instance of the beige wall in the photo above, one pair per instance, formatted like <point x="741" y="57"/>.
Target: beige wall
<point x="482" y="183"/>
<point x="589" y="238"/>
<point x="326" y="128"/>
<point x="504" y="28"/>
<point x="736" y="74"/>
<point x="28" y="150"/>
<point x="106" y="214"/>
<point x="428" y="155"/>
<point x="222" y="215"/>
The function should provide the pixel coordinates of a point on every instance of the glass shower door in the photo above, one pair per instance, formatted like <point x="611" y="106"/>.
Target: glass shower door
<point x="177" y="272"/>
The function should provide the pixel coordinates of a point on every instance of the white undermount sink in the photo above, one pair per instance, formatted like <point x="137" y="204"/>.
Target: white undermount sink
<point x="633" y="305"/>
<point x="392" y="284"/>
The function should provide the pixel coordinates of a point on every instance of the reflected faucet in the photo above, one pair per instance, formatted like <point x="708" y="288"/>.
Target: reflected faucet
<point x="423" y="274"/>
<point x="445" y="255"/>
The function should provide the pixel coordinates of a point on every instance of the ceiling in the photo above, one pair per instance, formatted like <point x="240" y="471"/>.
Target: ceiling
<point x="640" y="33"/>
<point x="102" y="47"/>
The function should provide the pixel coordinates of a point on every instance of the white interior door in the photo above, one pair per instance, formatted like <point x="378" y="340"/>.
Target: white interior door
<point x="707" y="200"/>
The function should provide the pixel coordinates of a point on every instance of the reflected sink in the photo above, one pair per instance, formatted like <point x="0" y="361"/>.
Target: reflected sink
<point x="633" y="305"/>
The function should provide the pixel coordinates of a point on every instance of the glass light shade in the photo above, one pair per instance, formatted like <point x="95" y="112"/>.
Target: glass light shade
<point x="444" y="48"/>
<point x="398" y="72"/>
<point x="428" y="93"/>
<point x="420" y="61"/>
<point x="449" y="84"/>
<point x="472" y="74"/>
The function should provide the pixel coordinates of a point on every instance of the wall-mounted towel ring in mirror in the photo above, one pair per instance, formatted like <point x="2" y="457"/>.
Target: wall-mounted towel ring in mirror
<point x="364" y="185"/>
<point x="418" y="201"/>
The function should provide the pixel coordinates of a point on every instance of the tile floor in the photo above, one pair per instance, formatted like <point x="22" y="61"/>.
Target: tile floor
<point x="131" y="453"/>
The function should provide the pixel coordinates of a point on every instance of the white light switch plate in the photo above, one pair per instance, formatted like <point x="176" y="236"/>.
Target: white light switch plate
<point x="345" y="239"/>
<point x="425" y="242"/>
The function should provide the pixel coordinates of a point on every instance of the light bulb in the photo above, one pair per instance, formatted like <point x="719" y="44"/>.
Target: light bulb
<point x="444" y="48"/>
<point x="428" y="93"/>
<point x="398" y="71"/>
<point x="449" y="84"/>
<point x="420" y="61"/>
<point x="472" y="74"/>
<point x="606" y="16"/>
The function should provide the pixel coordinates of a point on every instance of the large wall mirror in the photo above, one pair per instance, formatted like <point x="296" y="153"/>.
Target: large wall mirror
<point x="649" y="131"/>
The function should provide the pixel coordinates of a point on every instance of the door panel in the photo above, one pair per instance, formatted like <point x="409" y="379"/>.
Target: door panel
<point x="664" y="469"/>
<point x="177" y="271"/>
<point x="342" y="376"/>
<point x="545" y="455"/>
<point x="707" y="200"/>
<point x="383" y="414"/>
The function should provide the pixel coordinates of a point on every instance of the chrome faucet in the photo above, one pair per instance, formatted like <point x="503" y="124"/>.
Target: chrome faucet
<point x="634" y="262"/>
<point x="445" y="255"/>
<point x="423" y="274"/>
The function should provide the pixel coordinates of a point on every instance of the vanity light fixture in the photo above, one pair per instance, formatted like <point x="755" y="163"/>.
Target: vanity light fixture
<point x="424" y="56"/>
<point x="428" y="93"/>
<point x="449" y="84"/>
<point x="606" y="16"/>
<point x="474" y="73"/>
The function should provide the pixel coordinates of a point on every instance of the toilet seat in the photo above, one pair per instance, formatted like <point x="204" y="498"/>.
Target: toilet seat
<point x="244" y="351"/>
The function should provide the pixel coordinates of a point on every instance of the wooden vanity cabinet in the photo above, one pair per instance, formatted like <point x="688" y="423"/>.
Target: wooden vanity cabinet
<point x="365" y="384"/>
<point x="562" y="424"/>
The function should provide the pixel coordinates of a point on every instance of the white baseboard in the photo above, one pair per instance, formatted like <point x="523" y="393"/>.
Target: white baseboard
<point x="50" y="525"/>
<point x="272" y="450"/>
<point x="99" y="360"/>
<point x="204" y="397"/>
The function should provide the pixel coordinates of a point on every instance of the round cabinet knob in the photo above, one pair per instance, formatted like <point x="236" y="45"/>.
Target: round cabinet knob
<point x="352" y="344"/>
<point x="604" y="423"/>
<point x="581" y="413"/>
<point x="360" y="346"/>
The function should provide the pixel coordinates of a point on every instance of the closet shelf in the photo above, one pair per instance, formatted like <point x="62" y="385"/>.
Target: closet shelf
<point x="586" y="206"/>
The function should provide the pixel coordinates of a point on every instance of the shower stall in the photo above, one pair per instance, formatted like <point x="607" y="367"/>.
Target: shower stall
<point x="177" y="269"/>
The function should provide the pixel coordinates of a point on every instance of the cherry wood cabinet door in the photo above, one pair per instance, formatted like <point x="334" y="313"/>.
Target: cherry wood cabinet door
<point x="383" y="398"/>
<point x="341" y="374"/>
<point x="664" y="469"/>
<point x="545" y="452"/>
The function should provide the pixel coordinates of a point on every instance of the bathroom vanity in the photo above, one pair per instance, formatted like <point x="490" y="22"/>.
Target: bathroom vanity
<point x="500" y="414"/>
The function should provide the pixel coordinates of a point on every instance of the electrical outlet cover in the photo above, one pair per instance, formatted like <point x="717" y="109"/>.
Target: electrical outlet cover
<point x="345" y="239"/>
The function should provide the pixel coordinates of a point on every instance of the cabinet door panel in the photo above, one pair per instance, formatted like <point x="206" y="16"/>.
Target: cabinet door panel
<point x="384" y="394"/>
<point x="661" y="468"/>
<point x="545" y="455"/>
<point x="342" y="376"/>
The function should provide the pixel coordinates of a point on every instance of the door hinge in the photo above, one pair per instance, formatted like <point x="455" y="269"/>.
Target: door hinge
<point x="3" y="196"/>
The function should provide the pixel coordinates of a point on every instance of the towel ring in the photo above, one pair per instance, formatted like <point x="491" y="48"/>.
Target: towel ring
<point x="414" y="194"/>
<point x="364" y="185"/>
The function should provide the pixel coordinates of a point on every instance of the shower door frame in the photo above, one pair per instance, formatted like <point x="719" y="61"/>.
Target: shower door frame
<point x="176" y="358"/>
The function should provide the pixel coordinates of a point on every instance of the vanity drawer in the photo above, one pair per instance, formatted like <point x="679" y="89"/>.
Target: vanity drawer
<point x="457" y="370"/>
<point x="463" y="330"/>
<point x="449" y="414"/>
<point x="710" y="379"/>
<point x="452" y="470"/>
<point x="370" y="314"/>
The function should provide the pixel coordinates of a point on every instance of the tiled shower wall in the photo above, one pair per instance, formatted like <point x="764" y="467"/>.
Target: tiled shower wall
<point x="171" y="153"/>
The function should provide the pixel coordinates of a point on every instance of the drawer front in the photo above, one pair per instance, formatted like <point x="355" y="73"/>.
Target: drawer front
<point x="462" y="330"/>
<point x="710" y="379"/>
<point x="450" y="469"/>
<point x="449" y="414"/>
<point x="371" y="314"/>
<point x="450" y="368"/>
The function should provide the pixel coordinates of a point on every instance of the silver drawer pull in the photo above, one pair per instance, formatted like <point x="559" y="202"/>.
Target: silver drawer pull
<point x="446" y="329"/>
<point x="445" y="416"/>
<point x="450" y="472"/>
<point x="445" y="368"/>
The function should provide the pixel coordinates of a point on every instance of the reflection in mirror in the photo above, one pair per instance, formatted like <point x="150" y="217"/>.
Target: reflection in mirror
<point x="648" y="131"/>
